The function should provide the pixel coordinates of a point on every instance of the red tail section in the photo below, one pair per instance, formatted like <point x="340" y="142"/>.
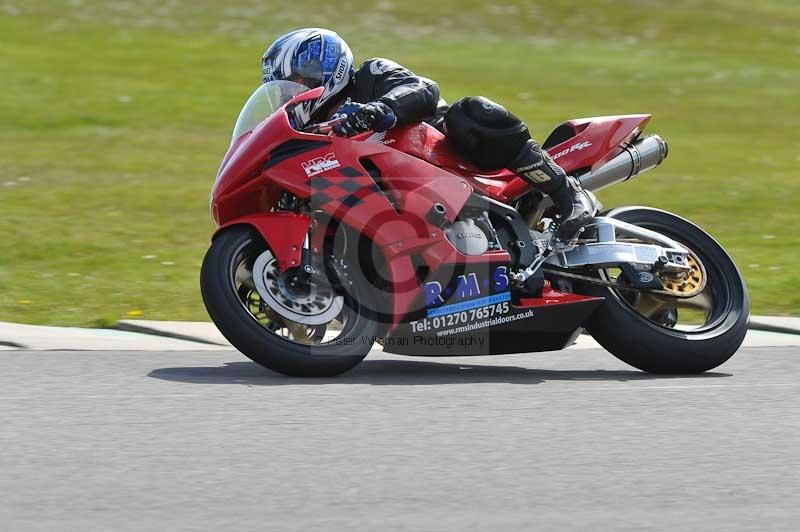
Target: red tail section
<point x="575" y="145"/>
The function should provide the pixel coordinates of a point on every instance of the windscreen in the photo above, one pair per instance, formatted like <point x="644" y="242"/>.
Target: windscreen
<point x="266" y="99"/>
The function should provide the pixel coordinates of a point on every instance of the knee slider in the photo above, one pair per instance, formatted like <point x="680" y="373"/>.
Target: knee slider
<point x="485" y="132"/>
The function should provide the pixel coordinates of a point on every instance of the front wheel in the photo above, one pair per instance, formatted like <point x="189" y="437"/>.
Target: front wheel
<point x="662" y="334"/>
<point x="295" y="326"/>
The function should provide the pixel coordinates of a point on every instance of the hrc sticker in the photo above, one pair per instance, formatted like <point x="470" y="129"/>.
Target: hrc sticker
<point x="320" y="164"/>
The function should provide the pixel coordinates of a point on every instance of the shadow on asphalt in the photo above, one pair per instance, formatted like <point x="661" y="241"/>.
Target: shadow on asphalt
<point x="409" y="372"/>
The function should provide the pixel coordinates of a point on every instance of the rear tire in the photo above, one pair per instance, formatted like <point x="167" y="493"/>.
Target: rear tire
<point x="655" y="348"/>
<point x="260" y="345"/>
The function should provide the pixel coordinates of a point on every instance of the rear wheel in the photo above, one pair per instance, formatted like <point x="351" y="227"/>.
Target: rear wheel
<point x="695" y="331"/>
<point x="293" y="325"/>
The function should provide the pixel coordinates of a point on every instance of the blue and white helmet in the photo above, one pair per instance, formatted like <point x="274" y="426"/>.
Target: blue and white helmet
<point x="313" y="57"/>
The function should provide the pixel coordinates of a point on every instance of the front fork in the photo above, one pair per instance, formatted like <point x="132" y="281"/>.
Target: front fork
<point x="307" y="269"/>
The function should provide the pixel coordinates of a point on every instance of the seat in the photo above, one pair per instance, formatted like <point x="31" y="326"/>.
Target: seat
<point x="429" y="144"/>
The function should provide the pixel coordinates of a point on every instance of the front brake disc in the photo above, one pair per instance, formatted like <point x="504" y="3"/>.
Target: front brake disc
<point x="317" y="304"/>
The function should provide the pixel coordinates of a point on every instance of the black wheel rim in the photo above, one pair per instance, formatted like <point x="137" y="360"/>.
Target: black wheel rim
<point x="718" y="293"/>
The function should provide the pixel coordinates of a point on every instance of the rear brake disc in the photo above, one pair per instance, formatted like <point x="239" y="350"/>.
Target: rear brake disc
<point x="685" y="284"/>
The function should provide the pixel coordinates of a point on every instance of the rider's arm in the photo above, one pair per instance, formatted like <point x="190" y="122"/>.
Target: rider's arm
<point x="412" y="98"/>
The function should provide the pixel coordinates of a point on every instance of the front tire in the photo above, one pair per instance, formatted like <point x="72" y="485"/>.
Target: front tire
<point x="230" y="314"/>
<point x="655" y="345"/>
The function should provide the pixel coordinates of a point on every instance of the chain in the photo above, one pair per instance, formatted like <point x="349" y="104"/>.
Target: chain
<point x="610" y="284"/>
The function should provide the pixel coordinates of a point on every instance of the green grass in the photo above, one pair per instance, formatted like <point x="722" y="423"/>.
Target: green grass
<point x="114" y="117"/>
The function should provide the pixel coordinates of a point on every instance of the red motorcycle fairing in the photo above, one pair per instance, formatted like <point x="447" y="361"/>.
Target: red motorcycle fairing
<point x="284" y="233"/>
<point x="583" y="143"/>
<point x="384" y="188"/>
<point x="395" y="217"/>
<point x="591" y="142"/>
<point x="331" y="173"/>
<point x="242" y="186"/>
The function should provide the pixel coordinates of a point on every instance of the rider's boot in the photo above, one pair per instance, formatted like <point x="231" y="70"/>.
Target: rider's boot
<point x="576" y="207"/>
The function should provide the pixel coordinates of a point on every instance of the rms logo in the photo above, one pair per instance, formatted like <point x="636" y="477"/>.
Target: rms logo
<point x="320" y="164"/>
<point x="467" y="287"/>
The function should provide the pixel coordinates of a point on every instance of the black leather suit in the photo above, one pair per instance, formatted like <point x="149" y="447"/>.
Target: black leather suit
<point x="412" y="98"/>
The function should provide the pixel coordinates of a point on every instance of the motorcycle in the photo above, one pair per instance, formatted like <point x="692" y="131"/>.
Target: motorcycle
<point x="326" y="245"/>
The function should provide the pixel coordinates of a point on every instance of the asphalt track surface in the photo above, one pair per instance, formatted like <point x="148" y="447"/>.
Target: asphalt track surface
<point x="99" y="441"/>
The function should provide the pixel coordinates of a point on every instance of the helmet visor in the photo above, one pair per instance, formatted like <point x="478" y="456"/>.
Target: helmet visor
<point x="309" y="74"/>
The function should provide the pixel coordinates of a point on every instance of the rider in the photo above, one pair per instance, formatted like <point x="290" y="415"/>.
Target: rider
<point x="382" y="94"/>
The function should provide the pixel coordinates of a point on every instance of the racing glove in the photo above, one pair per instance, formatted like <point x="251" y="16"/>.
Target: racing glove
<point x="360" y="117"/>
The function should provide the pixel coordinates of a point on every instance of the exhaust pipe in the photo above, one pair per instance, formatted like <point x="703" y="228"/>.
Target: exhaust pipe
<point x="641" y="156"/>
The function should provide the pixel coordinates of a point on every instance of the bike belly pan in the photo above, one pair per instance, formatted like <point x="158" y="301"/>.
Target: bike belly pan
<point x="467" y="309"/>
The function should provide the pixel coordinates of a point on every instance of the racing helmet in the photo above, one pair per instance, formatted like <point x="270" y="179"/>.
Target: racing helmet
<point x="313" y="57"/>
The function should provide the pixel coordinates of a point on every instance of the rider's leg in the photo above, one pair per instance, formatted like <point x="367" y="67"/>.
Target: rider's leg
<point x="490" y="136"/>
<point x="575" y="206"/>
